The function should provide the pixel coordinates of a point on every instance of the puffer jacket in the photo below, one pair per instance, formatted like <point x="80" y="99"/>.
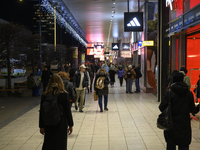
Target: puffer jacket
<point x="182" y="104"/>
<point x="103" y="91"/>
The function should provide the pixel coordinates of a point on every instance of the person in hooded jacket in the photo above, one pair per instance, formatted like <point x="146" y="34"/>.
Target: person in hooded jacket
<point x="100" y="92"/>
<point x="120" y="73"/>
<point x="182" y="104"/>
<point x="186" y="79"/>
<point x="69" y="87"/>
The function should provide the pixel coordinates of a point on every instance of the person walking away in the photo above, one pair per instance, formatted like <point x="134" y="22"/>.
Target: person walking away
<point x="32" y="85"/>
<point x="55" y="136"/>
<point x="69" y="87"/>
<point x="80" y="83"/>
<point x="120" y="73"/>
<point x="67" y="68"/>
<point x="103" y="91"/>
<point x="91" y="74"/>
<point x="137" y="78"/>
<point x="112" y="73"/>
<point x="182" y="104"/>
<point x="186" y="79"/>
<point x="46" y="75"/>
<point x="106" y="67"/>
<point x="129" y="76"/>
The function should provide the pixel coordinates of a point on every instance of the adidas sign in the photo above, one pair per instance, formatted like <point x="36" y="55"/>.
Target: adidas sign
<point x="134" y="23"/>
<point x="115" y="47"/>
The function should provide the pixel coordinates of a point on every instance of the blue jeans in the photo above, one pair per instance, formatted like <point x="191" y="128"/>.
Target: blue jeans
<point x="129" y="83"/>
<point x="105" y="101"/>
<point x="173" y="147"/>
<point x="137" y="84"/>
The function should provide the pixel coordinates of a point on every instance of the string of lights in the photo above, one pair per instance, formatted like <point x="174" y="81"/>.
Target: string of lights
<point x="62" y="20"/>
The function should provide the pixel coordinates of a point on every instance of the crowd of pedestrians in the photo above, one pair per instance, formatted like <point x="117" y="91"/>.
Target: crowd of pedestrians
<point x="68" y="87"/>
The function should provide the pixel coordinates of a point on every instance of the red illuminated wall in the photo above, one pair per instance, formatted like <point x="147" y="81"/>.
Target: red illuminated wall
<point x="193" y="57"/>
<point x="194" y="3"/>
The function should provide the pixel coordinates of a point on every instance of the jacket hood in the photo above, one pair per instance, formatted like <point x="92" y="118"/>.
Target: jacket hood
<point x="180" y="88"/>
<point x="102" y="73"/>
<point x="65" y="80"/>
<point x="183" y="73"/>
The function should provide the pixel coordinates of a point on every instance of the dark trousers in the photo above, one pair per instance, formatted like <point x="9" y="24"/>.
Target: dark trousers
<point x="137" y="84"/>
<point x="44" y="86"/>
<point x="121" y="80"/>
<point x="105" y="101"/>
<point x="173" y="147"/>
<point x="35" y="89"/>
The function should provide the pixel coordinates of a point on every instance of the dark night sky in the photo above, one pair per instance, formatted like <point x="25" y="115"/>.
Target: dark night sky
<point x="17" y="12"/>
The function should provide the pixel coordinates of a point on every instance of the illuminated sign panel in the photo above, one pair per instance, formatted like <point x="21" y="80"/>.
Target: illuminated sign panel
<point x="126" y="54"/>
<point x="145" y="43"/>
<point x="169" y="3"/>
<point x="90" y="51"/>
<point x="115" y="46"/>
<point x="125" y="46"/>
<point x="133" y="21"/>
<point x="98" y="51"/>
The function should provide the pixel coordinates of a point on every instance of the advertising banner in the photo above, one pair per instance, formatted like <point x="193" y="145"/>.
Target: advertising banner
<point x="90" y="51"/>
<point x="98" y="51"/>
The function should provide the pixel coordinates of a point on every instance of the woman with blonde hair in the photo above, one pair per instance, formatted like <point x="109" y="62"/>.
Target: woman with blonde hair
<point x="55" y="136"/>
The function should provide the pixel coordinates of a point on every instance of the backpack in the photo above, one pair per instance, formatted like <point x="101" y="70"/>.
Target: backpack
<point x="51" y="110"/>
<point x="100" y="83"/>
<point x="129" y="75"/>
<point x="72" y="91"/>
<point x="72" y="94"/>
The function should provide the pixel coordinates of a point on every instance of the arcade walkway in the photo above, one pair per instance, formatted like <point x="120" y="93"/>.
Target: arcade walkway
<point x="130" y="124"/>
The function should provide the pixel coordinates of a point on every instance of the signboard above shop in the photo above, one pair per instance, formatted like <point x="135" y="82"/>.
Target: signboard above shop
<point x="145" y="43"/>
<point x="115" y="46"/>
<point x="125" y="46"/>
<point x="133" y="21"/>
<point x="184" y="21"/>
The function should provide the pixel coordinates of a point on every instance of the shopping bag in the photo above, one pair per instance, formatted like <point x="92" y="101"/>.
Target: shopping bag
<point x="95" y="96"/>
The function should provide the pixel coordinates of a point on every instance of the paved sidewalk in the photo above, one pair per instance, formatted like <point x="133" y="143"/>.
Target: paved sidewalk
<point x="130" y="124"/>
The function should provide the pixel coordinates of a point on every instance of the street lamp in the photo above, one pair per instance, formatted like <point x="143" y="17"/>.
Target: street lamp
<point x="40" y="46"/>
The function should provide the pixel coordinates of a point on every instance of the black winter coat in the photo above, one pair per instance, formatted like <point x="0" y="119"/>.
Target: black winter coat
<point x="182" y="104"/>
<point x="46" y="75"/>
<point x="77" y="79"/>
<point x="103" y="91"/>
<point x="69" y="88"/>
<point x="112" y="75"/>
<point x="55" y="137"/>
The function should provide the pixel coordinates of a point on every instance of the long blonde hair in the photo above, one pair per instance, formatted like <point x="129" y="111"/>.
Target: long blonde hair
<point x="56" y="83"/>
<point x="63" y="74"/>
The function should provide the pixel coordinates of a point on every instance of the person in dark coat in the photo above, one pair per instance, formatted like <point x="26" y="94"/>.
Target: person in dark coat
<point x="198" y="88"/>
<point x="55" y="137"/>
<point x="32" y="85"/>
<point x="137" y="78"/>
<point x="182" y="104"/>
<point x="91" y="74"/>
<point x="46" y="75"/>
<point x="112" y="73"/>
<point x="120" y="73"/>
<point x="100" y="92"/>
<point x="71" y="73"/>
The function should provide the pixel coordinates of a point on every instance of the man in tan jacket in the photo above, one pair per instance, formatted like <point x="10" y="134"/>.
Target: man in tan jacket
<point x="129" y="76"/>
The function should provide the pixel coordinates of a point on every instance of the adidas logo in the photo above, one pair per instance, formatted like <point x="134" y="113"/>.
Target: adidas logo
<point x="125" y="47"/>
<point x="134" y="23"/>
<point x="115" y="47"/>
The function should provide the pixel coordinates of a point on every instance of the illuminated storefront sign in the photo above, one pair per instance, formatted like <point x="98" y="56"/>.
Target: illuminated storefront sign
<point x="145" y="43"/>
<point x="125" y="46"/>
<point x="133" y="21"/>
<point x="98" y="51"/>
<point x="115" y="46"/>
<point x="126" y="54"/>
<point x="90" y="51"/>
<point x="169" y="3"/>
